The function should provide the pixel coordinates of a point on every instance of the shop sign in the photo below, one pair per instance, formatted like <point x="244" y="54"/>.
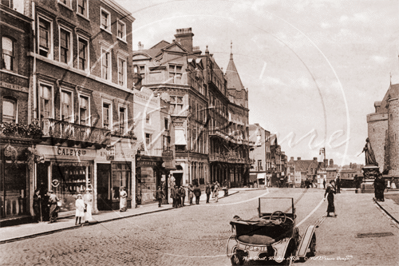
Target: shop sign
<point x="70" y="152"/>
<point x="146" y="163"/>
<point x="65" y="152"/>
<point x="111" y="153"/>
<point x="167" y="155"/>
<point x="13" y="87"/>
<point x="116" y="154"/>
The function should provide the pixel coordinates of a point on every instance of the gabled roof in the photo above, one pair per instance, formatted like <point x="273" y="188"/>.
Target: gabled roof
<point x="232" y="76"/>
<point x="393" y="92"/>
<point x="160" y="45"/>
<point x="304" y="165"/>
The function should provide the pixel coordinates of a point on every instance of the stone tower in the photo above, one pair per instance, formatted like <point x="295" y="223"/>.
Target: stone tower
<point x="393" y="135"/>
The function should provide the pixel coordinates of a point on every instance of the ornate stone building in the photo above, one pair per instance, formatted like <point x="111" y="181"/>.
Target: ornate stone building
<point x="383" y="131"/>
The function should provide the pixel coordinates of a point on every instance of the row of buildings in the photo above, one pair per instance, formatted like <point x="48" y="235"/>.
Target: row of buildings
<point x="270" y="165"/>
<point x="81" y="110"/>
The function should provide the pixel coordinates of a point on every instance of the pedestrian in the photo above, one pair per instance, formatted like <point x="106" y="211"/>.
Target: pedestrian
<point x="44" y="196"/>
<point x="208" y="192"/>
<point x="173" y="196"/>
<point x="216" y="191"/>
<point x="178" y="197"/>
<point x="213" y="189"/>
<point x="159" y="196"/>
<point x="379" y="187"/>
<point x="324" y="183"/>
<point x="338" y="184"/>
<point x="53" y="207"/>
<point x="122" y="199"/>
<point x="80" y="209"/>
<point x="197" y="193"/>
<point x="330" y="191"/>
<point x="182" y="195"/>
<point x="190" y="189"/>
<point x="88" y="201"/>
<point x="37" y="204"/>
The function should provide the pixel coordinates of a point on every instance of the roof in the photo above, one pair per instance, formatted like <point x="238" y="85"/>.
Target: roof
<point x="304" y="165"/>
<point x="232" y="76"/>
<point x="392" y="92"/>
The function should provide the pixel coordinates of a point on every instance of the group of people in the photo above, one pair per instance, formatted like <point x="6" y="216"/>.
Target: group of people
<point x="84" y="207"/>
<point x="45" y="206"/>
<point x="178" y="194"/>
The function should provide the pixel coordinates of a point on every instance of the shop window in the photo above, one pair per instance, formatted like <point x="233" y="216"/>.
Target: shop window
<point x="8" y="53"/>
<point x="84" y="110"/>
<point x="121" y="177"/>
<point x="66" y="106"/>
<point x="9" y="111"/>
<point x="83" y="54"/>
<point x="107" y="115"/>
<point x="46" y="101"/>
<point x="121" y="30"/>
<point x="82" y="8"/>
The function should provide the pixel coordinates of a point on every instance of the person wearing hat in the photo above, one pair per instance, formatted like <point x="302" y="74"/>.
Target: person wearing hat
<point x="80" y="209"/>
<point x="52" y="203"/>
<point x="88" y="201"/>
<point x="330" y="191"/>
<point x="122" y="199"/>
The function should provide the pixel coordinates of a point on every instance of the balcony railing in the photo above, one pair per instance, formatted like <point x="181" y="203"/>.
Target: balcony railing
<point x="61" y="131"/>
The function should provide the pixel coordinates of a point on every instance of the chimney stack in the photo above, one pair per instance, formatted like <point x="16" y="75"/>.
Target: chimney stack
<point x="315" y="159"/>
<point x="185" y="38"/>
<point x="331" y="163"/>
<point x="292" y="159"/>
<point x="298" y="158"/>
<point x="141" y="46"/>
<point x="325" y="163"/>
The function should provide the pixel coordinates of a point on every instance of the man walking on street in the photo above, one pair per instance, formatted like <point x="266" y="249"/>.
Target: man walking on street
<point x="182" y="195"/>
<point x="159" y="195"/>
<point x="208" y="192"/>
<point x="178" y="197"/>
<point x="197" y="193"/>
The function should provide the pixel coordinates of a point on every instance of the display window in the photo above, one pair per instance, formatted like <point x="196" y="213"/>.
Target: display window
<point x="69" y="180"/>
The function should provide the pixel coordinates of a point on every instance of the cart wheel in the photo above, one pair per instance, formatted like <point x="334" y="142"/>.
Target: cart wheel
<point x="312" y="247"/>
<point x="235" y="260"/>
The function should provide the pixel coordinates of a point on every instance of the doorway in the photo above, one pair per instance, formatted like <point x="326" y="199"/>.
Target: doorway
<point x="103" y="179"/>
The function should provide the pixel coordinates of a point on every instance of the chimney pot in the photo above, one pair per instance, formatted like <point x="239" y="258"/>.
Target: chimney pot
<point x="298" y="158"/>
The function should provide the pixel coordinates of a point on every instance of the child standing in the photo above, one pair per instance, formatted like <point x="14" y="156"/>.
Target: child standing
<point x="80" y="209"/>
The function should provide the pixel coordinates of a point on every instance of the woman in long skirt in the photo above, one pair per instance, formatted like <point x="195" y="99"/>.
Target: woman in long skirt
<point x="88" y="200"/>
<point x="122" y="200"/>
<point x="330" y="191"/>
<point x="80" y="209"/>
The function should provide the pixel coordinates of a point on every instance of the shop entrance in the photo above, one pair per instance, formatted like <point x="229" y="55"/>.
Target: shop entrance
<point x="103" y="177"/>
<point x="178" y="179"/>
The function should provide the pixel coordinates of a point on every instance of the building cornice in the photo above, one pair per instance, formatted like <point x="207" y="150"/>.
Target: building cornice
<point x="118" y="8"/>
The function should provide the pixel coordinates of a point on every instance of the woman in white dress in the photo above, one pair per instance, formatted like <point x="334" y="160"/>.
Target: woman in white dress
<point x="88" y="200"/>
<point x="80" y="209"/>
<point x="122" y="199"/>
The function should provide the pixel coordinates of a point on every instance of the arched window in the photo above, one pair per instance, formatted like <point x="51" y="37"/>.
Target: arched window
<point x="8" y="53"/>
<point x="9" y="110"/>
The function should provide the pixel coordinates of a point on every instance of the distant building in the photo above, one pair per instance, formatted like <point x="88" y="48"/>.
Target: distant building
<point x="260" y="155"/>
<point x="303" y="169"/>
<point x="383" y="131"/>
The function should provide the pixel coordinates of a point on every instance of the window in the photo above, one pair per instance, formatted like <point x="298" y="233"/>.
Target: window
<point x="83" y="54"/>
<point x="66" y="2"/>
<point x="107" y="115"/>
<point x="147" y="139"/>
<point x="105" y="64"/>
<point x="148" y="119"/>
<point x="166" y="143"/>
<point x="46" y="101"/>
<point x="166" y="124"/>
<point x="260" y="165"/>
<point x="44" y="37"/>
<point x="82" y="7"/>
<point x="66" y="106"/>
<point x="8" y="53"/>
<point x="175" y="73"/>
<point x="122" y="72"/>
<point x="121" y="30"/>
<point x="122" y="120"/>
<point x="105" y="20"/>
<point x="65" y="46"/>
<point x="84" y="110"/>
<point x="9" y="111"/>
<point x="176" y="104"/>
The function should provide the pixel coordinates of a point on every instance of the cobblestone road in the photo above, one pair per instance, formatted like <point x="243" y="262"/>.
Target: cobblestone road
<point x="195" y="235"/>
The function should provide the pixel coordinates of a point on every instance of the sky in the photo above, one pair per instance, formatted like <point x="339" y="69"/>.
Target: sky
<point x="313" y="69"/>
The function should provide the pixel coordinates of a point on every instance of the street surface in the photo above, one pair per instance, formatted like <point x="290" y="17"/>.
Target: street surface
<point x="197" y="235"/>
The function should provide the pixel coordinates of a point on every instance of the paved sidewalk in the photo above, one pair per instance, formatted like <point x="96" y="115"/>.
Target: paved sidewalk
<point x="31" y="230"/>
<point x="389" y="206"/>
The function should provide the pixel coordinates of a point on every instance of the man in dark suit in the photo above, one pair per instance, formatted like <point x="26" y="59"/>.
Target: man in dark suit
<point x="197" y="193"/>
<point x="182" y="195"/>
<point x="159" y="195"/>
<point x="208" y="192"/>
<point x="173" y="196"/>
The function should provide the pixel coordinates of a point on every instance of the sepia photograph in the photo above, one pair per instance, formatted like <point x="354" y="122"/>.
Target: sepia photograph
<point x="199" y="132"/>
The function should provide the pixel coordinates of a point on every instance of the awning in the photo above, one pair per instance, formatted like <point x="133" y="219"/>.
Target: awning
<point x="261" y="175"/>
<point x="252" y="177"/>
<point x="180" y="139"/>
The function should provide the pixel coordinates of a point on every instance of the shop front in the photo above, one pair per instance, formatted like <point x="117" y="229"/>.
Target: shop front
<point x="115" y="167"/>
<point x="149" y="177"/>
<point x="67" y="171"/>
